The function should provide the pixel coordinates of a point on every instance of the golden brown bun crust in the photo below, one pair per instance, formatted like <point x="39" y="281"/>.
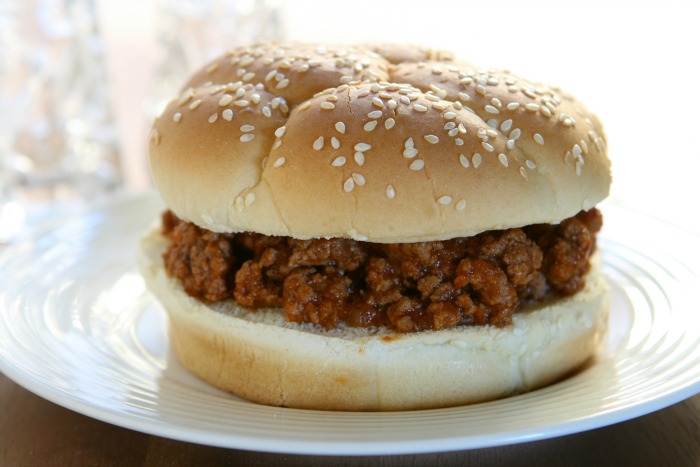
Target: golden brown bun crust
<point x="418" y="151"/>
<point x="262" y="357"/>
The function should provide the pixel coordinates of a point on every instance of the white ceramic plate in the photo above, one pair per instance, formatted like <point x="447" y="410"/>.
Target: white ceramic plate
<point x="77" y="327"/>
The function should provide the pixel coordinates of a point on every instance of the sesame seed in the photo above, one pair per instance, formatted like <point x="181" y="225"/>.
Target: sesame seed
<point x="369" y="126"/>
<point x="453" y="132"/>
<point x="450" y="125"/>
<point x="340" y="127"/>
<point x="247" y="128"/>
<point x="348" y="185"/>
<point x="513" y="105"/>
<point x="515" y="134"/>
<point x="487" y="146"/>
<point x="227" y="114"/>
<point x="476" y="160"/>
<point x="267" y="112"/>
<point x="358" y="179"/>
<point x="155" y="136"/>
<point x="405" y="100"/>
<point x="420" y="108"/>
<point x="491" y="109"/>
<point x="318" y="144"/>
<point x="391" y="104"/>
<point x="569" y="158"/>
<point x="584" y="147"/>
<point x="444" y="200"/>
<point x="362" y="147"/>
<point x="277" y="144"/>
<point x="491" y="133"/>
<point x="363" y="93"/>
<point x="461" y="204"/>
<point x="462" y="129"/>
<point x="389" y="123"/>
<point x="408" y="143"/>
<point x="523" y="173"/>
<point x="503" y="159"/>
<point x="247" y="137"/>
<point x="279" y="162"/>
<point x="212" y="68"/>
<point x="417" y="164"/>
<point x="577" y="150"/>
<point x="545" y="110"/>
<point x="282" y="84"/>
<point x="449" y="115"/>
<point x="438" y="106"/>
<point x="457" y="105"/>
<point x="510" y="144"/>
<point x="338" y="161"/>
<point x="505" y="126"/>
<point x="241" y="103"/>
<point x="459" y="141"/>
<point x="390" y="192"/>
<point x="249" y="199"/>
<point x="226" y="99"/>
<point x="195" y="104"/>
<point x="540" y="140"/>
<point x="248" y="76"/>
<point x="463" y="96"/>
<point x="410" y="152"/>
<point x="213" y="117"/>
<point x="186" y="96"/>
<point x="177" y="116"/>
<point x="464" y="160"/>
<point x="279" y="132"/>
<point x="432" y="139"/>
<point x="335" y="143"/>
<point x="377" y="102"/>
<point x="496" y="102"/>
<point x="530" y="165"/>
<point x="327" y="105"/>
<point x="532" y="107"/>
<point x="305" y="105"/>
<point x="270" y="75"/>
<point x="359" y="158"/>
<point x="375" y="114"/>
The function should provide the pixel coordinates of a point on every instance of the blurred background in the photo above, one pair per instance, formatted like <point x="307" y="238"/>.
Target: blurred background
<point x="81" y="80"/>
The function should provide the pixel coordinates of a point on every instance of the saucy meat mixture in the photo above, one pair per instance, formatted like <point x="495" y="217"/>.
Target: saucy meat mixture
<point x="404" y="286"/>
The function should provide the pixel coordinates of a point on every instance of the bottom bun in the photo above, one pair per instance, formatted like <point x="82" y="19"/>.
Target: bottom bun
<point x="261" y="357"/>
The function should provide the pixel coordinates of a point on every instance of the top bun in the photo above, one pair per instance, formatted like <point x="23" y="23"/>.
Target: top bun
<point x="378" y="142"/>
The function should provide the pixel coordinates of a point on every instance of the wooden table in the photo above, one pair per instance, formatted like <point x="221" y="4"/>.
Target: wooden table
<point x="34" y="431"/>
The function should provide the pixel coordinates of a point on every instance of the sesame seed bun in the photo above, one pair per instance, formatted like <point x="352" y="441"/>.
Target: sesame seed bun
<point x="317" y="141"/>
<point x="260" y="356"/>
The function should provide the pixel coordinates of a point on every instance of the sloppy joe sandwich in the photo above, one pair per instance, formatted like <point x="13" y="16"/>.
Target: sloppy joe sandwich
<point x="376" y="227"/>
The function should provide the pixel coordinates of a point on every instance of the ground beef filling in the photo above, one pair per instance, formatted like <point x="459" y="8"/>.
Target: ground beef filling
<point x="409" y="287"/>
